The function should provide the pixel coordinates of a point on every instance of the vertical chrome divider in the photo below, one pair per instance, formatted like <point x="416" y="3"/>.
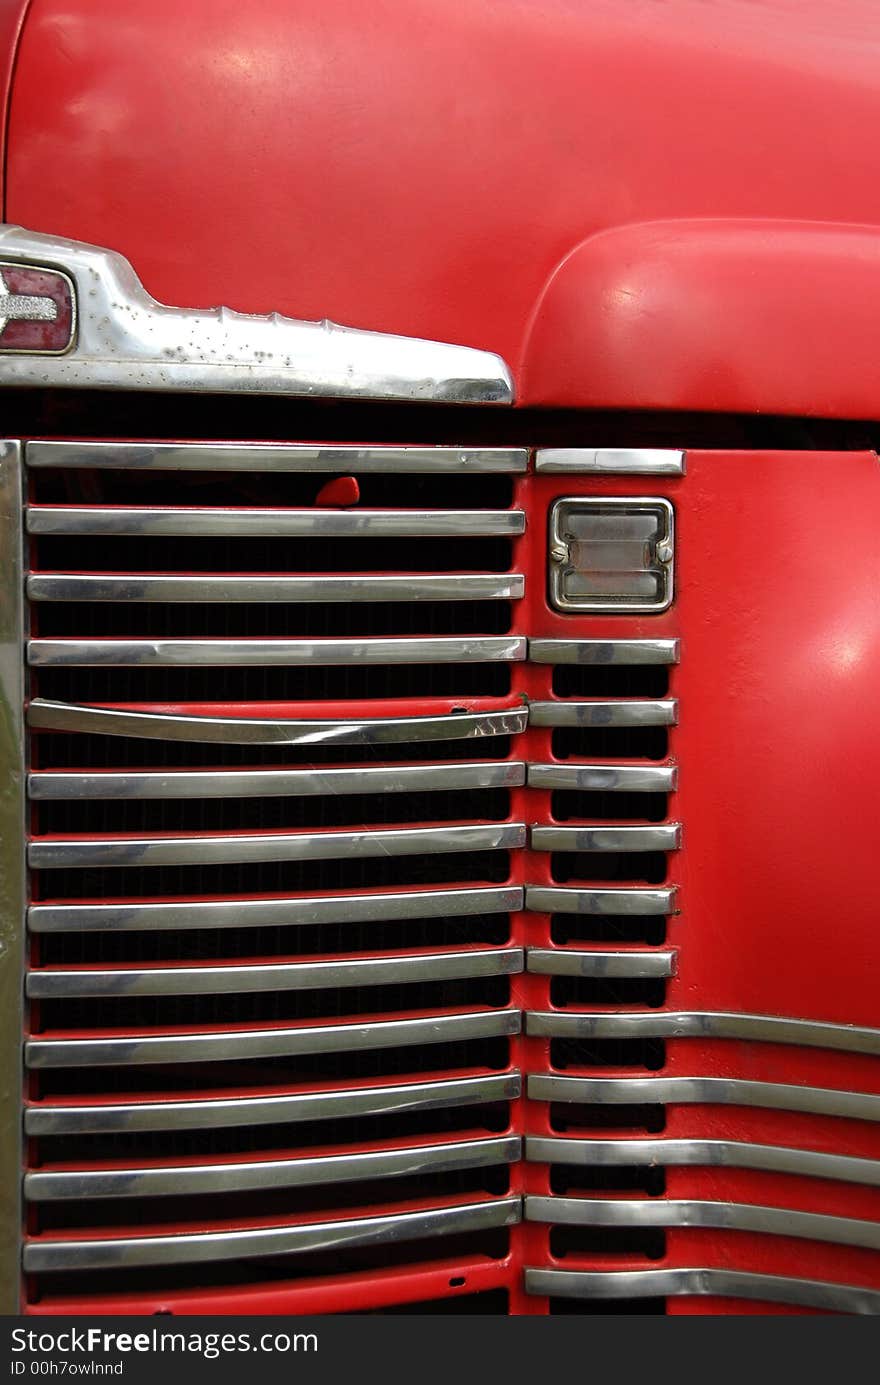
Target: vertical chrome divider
<point x="12" y="871"/>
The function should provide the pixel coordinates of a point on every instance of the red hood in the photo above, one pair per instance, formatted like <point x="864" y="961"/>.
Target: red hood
<point x="421" y="168"/>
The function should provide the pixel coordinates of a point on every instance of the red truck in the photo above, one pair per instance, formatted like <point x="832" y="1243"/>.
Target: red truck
<point x="440" y="752"/>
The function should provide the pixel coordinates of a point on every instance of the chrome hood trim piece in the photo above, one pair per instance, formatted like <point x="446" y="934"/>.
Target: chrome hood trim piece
<point x="704" y="1024"/>
<point x="126" y="340"/>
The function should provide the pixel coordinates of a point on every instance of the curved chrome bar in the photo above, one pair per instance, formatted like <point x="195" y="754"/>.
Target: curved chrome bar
<point x="705" y="1091"/>
<point x="111" y="721"/>
<point x="208" y="1113"/>
<point x="304" y="910"/>
<point x="763" y="1288"/>
<point x="111" y="1252"/>
<point x="699" y="1212"/>
<point x="45" y="1185"/>
<point x="697" y="1024"/>
<point x="121" y="653"/>
<point x="240" y="1044"/>
<point x="727" y="1154"/>
<point x="113" y="586"/>
<point x="576" y="961"/>
<point x="49" y="853"/>
<point x="229" y="522"/>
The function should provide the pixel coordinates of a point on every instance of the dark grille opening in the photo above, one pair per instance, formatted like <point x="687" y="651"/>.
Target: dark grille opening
<point x="268" y="489"/>
<point x="594" y="928"/>
<point x="610" y="680"/>
<point x="610" y="742"/>
<point x="606" y="1241"/>
<point x="307" y="683"/>
<point x="52" y="750"/>
<point x="494" y="1301"/>
<point x="607" y="1053"/>
<point x="607" y="1307"/>
<point x="610" y="807"/>
<point x="252" y="1075"/>
<point x="227" y="944"/>
<point x="269" y="814"/>
<point x="274" y="877"/>
<point x="167" y="1213"/>
<point x="277" y="1141"/>
<point x="492" y="1244"/>
<point x="205" y="554"/>
<point x="566" y="1116"/>
<point x="615" y="991"/>
<point x="271" y="620"/>
<point x="271" y="1007"/>
<point x="607" y="1178"/>
<point x="645" y="866"/>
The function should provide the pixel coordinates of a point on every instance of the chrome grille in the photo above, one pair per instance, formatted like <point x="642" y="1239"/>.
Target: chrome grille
<point x="270" y="981"/>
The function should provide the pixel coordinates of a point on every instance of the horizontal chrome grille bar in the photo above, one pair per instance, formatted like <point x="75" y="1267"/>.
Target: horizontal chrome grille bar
<point x="605" y="778"/>
<point x="664" y="838"/>
<point x="659" y="1024"/>
<point x="728" y="1154"/>
<point x="45" y="1255"/>
<point x="52" y="853"/>
<point x="268" y="783"/>
<point x="552" y="899"/>
<point x="644" y="461"/>
<point x="303" y="1172"/>
<point x="170" y="456"/>
<point x="121" y="653"/>
<point x="605" y="713"/>
<point x="109" y="721"/>
<point x="706" y="1091"/>
<point x="241" y="1044"/>
<point x="231" y="523"/>
<point x="762" y="1288"/>
<point x="62" y="586"/>
<point x="136" y="916"/>
<point x="569" y="961"/>
<point x="48" y="984"/>
<point x="721" y="1216"/>
<point x="290" y="1108"/>
<point x="603" y="651"/>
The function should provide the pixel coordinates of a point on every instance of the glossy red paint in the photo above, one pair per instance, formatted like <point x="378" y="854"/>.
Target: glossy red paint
<point x="424" y="169"/>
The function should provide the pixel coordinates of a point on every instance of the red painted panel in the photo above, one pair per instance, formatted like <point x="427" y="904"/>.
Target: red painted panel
<point x="423" y="169"/>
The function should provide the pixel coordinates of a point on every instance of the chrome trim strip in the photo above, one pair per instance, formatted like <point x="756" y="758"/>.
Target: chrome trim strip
<point x="554" y="899"/>
<point x="603" y="651"/>
<point x="615" y="461"/>
<point x="120" y="653"/>
<point x="57" y="983"/>
<point x="109" y="721"/>
<point x="51" y="853"/>
<point x="63" y="586"/>
<point x="605" y="778"/>
<point x="56" y="785"/>
<point x="240" y="1044"/>
<point x="265" y="456"/>
<point x="696" y="1024"/>
<point x="127" y="340"/>
<point x="706" y="1091"/>
<point x="112" y="1252"/>
<point x="253" y="1174"/>
<point x="570" y="961"/>
<point x="607" y="838"/>
<point x="766" y="1288"/>
<point x="146" y="1114"/>
<point x="264" y="523"/>
<point x="728" y="1154"/>
<point x="605" y="713"/>
<point x="12" y="873"/>
<point x="302" y="910"/>
<point x="693" y="1212"/>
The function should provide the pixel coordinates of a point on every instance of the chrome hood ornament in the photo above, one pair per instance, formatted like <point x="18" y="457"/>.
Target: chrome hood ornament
<point x="122" y="338"/>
